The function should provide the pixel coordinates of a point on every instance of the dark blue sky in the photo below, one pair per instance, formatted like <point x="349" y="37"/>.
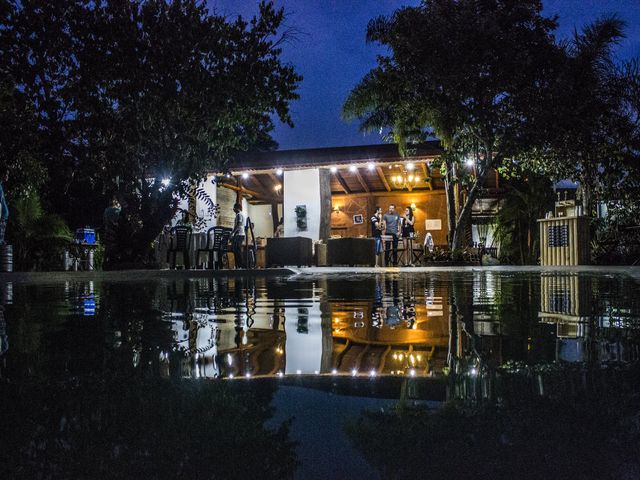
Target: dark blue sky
<point x="332" y="55"/>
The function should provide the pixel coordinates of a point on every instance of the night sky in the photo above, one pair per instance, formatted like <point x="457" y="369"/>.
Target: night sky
<point x="331" y="53"/>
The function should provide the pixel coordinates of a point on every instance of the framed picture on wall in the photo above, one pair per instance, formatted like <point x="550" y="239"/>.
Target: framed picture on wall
<point x="358" y="219"/>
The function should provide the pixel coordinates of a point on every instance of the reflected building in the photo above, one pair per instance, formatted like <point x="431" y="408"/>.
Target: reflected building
<point x="238" y="327"/>
<point x="565" y="301"/>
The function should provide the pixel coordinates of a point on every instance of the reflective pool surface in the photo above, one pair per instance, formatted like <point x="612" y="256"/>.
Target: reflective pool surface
<point x="446" y="375"/>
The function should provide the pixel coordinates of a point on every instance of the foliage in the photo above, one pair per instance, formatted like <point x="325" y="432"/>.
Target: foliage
<point x="537" y="438"/>
<point x="18" y="144"/>
<point x="467" y="71"/>
<point x="38" y="237"/>
<point x="437" y="255"/>
<point x="616" y="238"/>
<point x="589" y="117"/>
<point x="128" y="94"/>
<point x="115" y="428"/>
<point x="528" y="196"/>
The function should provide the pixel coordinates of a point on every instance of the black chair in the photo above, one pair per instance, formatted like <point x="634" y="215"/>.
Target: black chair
<point x="180" y="242"/>
<point x="212" y="248"/>
<point x="223" y="250"/>
<point x="250" y="247"/>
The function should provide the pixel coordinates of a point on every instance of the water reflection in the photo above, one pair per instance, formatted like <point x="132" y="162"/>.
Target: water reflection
<point x="113" y="366"/>
<point x="384" y="325"/>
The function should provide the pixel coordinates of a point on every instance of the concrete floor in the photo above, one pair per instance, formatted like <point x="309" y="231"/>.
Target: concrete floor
<point x="595" y="269"/>
<point x="141" y="275"/>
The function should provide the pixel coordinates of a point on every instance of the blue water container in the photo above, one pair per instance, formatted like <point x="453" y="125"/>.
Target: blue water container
<point x="85" y="236"/>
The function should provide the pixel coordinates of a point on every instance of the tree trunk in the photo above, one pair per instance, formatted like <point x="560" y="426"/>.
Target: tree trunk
<point x="465" y="213"/>
<point x="139" y="225"/>
<point x="451" y="203"/>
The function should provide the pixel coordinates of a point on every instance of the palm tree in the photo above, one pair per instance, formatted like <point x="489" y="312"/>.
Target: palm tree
<point x="38" y="237"/>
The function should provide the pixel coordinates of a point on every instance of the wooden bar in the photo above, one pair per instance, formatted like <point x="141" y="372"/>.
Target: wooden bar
<point x="577" y="248"/>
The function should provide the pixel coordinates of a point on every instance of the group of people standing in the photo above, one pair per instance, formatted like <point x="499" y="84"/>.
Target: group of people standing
<point x="395" y="228"/>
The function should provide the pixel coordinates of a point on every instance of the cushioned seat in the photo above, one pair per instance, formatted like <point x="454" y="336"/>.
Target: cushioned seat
<point x="351" y="251"/>
<point x="289" y="251"/>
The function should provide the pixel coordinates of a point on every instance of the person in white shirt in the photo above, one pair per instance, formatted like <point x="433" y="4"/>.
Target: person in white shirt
<point x="237" y="236"/>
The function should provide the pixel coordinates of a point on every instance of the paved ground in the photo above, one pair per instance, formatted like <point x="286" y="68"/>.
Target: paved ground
<point x="597" y="269"/>
<point x="134" y="275"/>
<point x="141" y="275"/>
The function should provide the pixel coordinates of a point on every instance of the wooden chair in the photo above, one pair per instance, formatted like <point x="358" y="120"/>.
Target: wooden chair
<point x="180" y="242"/>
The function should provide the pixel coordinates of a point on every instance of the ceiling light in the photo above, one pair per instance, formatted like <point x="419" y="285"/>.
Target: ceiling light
<point x="279" y="171"/>
<point x="410" y="166"/>
<point x="352" y="168"/>
<point x="245" y="176"/>
<point x="371" y="166"/>
<point x="333" y="169"/>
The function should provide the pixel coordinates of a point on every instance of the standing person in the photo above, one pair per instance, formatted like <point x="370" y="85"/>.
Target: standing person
<point x="376" y="233"/>
<point x="407" y="235"/>
<point x="110" y="219"/>
<point x="4" y="208"/>
<point x="279" y="229"/>
<point x="391" y="221"/>
<point x="237" y="236"/>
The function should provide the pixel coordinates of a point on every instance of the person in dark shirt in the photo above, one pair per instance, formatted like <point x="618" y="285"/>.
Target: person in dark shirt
<point x="408" y="232"/>
<point x="376" y="233"/>
<point x="392" y="224"/>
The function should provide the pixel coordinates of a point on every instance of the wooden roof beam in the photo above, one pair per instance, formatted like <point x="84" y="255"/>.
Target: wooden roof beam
<point x="383" y="178"/>
<point x="427" y="176"/>
<point x="262" y="187"/>
<point x="342" y="183"/>
<point x="362" y="181"/>
<point x="253" y="193"/>
<point x="277" y="181"/>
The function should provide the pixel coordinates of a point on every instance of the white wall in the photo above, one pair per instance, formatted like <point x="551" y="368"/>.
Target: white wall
<point x="302" y="187"/>
<point x="201" y="207"/>
<point x="303" y="350"/>
<point x="262" y="221"/>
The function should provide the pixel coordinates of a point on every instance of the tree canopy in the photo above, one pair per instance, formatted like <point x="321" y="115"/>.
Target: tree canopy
<point x="130" y="93"/>
<point x="467" y="71"/>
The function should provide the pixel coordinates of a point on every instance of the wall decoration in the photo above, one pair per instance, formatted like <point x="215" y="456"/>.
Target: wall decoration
<point x="301" y="218"/>
<point x="433" y="224"/>
<point x="358" y="219"/>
